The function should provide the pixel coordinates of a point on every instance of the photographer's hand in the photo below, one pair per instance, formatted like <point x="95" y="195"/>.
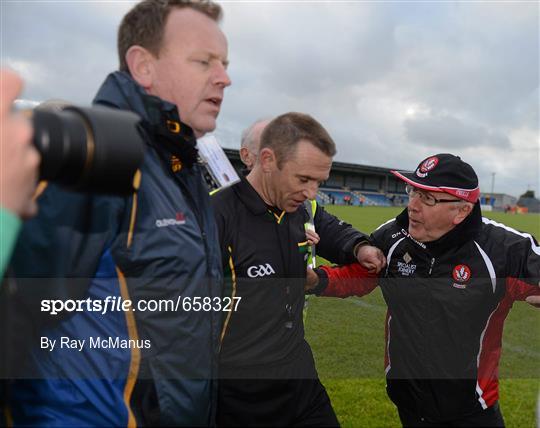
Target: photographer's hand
<point x="19" y="160"/>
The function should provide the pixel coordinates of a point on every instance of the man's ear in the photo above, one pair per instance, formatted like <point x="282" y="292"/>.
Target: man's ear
<point x="244" y="155"/>
<point x="463" y="211"/>
<point x="268" y="160"/>
<point x="141" y="65"/>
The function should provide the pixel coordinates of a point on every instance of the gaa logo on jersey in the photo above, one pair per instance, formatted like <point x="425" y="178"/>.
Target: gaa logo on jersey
<point x="260" y="271"/>
<point x="461" y="274"/>
<point x="427" y="166"/>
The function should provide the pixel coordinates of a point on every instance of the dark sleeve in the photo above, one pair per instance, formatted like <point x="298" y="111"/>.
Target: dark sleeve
<point x="224" y="216"/>
<point x="523" y="268"/>
<point x="338" y="239"/>
<point x="344" y="281"/>
<point x="219" y="208"/>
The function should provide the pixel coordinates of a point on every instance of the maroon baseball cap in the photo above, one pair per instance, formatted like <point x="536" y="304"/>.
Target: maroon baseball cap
<point x="444" y="173"/>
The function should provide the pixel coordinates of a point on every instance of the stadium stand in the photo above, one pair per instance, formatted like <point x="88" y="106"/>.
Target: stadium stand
<point x="322" y="198"/>
<point x="352" y="184"/>
<point x="339" y="196"/>
<point x="377" y="199"/>
<point x="497" y="200"/>
<point x="364" y="185"/>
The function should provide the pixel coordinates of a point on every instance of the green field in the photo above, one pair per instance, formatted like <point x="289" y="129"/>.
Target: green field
<point x="347" y="337"/>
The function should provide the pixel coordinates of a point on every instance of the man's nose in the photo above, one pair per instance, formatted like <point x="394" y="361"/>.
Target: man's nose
<point x="310" y="192"/>
<point x="414" y="203"/>
<point x="222" y="77"/>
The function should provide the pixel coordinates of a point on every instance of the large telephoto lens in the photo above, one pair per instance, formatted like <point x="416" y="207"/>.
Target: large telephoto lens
<point x="94" y="149"/>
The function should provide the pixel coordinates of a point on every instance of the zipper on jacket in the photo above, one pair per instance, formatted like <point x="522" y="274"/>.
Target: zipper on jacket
<point x="431" y="265"/>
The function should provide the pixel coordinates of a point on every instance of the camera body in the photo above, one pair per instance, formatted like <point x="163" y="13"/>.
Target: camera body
<point x="88" y="149"/>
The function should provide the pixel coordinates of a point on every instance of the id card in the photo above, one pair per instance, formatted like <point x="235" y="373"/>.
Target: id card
<point x="219" y="172"/>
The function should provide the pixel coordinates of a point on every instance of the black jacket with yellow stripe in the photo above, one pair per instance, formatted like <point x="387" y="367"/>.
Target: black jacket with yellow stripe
<point x="265" y="254"/>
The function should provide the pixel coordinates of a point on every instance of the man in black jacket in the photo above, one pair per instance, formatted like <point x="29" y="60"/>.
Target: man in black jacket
<point x="451" y="279"/>
<point x="267" y="372"/>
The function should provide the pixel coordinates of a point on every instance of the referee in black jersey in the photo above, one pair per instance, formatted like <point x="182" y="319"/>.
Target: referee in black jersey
<point x="267" y="371"/>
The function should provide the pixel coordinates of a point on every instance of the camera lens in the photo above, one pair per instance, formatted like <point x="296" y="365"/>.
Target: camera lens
<point x="94" y="149"/>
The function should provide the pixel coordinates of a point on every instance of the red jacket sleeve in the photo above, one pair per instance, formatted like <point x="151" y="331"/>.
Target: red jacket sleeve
<point x="520" y="290"/>
<point x="349" y="280"/>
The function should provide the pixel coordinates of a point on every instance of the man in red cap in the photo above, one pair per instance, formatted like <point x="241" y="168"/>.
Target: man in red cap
<point x="450" y="281"/>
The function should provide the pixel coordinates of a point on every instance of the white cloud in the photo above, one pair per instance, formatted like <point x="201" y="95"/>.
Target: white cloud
<point x="393" y="82"/>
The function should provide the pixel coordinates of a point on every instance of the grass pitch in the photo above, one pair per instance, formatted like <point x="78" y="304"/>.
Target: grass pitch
<point x="347" y="338"/>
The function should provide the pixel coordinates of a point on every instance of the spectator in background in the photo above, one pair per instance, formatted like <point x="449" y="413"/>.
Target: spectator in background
<point x="19" y="162"/>
<point x="251" y="140"/>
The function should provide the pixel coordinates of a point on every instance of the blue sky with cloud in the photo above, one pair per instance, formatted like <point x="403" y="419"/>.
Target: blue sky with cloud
<point x="392" y="81"/>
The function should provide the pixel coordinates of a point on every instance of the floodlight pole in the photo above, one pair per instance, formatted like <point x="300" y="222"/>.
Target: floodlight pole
<point x="492" y="183"/>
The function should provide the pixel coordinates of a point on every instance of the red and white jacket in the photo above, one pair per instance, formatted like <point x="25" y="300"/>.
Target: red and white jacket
<point x="447" y="301"/>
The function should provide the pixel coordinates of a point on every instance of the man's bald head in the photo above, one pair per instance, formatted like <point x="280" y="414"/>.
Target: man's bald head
<point x="251" y="142"/>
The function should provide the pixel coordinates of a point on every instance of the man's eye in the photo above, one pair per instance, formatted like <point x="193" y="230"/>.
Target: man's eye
<point x="303" y="180"/>
<point x="203" y="62"/>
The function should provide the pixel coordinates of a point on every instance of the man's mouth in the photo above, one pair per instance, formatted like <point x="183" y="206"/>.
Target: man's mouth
<point x="294" y="203"/>
<point x="216" y="101"/>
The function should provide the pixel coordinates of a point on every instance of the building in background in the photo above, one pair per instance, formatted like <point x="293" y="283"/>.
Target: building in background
<point x="497" y="201"/>
<point x="364" y="185"/>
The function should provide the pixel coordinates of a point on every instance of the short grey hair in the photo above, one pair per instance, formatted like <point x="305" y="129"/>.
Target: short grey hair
<point x="248" y="134"/>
